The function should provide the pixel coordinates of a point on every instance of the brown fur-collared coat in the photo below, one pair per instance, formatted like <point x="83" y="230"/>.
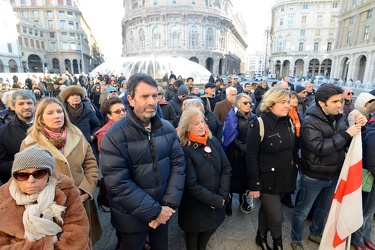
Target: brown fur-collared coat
<point x="75" y="234"/>
<point x="77" y="162"/>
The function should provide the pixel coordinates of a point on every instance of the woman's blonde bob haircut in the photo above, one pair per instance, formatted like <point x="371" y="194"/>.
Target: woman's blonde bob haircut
<point x="237" y="98"/>
<point x="34" y="131"/>
<point x="272" y="96"/>
<point x="183" y="126"/>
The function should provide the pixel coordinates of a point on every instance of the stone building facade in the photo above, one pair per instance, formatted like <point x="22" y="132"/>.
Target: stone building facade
<point x="354" y="53"/>
<point x="53" y="35"/>
<point x="303" y="37"/>
<point x="207" y="32"/>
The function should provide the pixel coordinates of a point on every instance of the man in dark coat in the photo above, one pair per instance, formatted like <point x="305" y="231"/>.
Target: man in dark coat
<point x="176" y="101"/>
<point x="143" y="166"/>
<point x="13" y="132"/>
<point x="324" y="138"/>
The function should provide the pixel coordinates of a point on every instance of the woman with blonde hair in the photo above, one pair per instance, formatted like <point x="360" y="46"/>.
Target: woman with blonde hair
<point x="270" y="168"/>
<point x="53" y="130"/>
<point x="207" y="181"/>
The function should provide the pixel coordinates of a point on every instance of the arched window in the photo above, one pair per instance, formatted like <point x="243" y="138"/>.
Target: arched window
<point x="193" y="36"/>
<point x="12" y="66"/>
<point x="288" y="43"/>
<point x="141" y="38"/>
<point x="279" y="44"/>
<point x="217" y="5"/>
<point x="174" y="36"/>
<point x="210" y="38"/>
<point x="222" y="39"/>
<point x="1" y="67"/>
<point x="156" y="36"/>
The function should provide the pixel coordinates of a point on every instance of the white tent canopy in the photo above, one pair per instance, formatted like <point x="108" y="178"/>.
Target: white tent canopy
<point x="154" y="66"/>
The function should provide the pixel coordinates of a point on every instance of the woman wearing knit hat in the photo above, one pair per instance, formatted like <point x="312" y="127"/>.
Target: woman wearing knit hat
<point x="53" y="130"/>
<point x="43" y="208"/>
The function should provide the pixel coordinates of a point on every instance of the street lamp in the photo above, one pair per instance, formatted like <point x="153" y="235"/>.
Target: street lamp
<point x="267" y="33"/>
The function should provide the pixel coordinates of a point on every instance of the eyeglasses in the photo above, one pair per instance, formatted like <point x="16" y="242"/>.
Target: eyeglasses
<point x="23" y="176"/>
<point x="97" y="88"/>
<point x="112" y="91"/>
<point x="119" y="111"/>
<point x="160" y="93"/>
<point x="246" y="103"/>
<point x="371" y="101"/>
<point x="350" y="93"/>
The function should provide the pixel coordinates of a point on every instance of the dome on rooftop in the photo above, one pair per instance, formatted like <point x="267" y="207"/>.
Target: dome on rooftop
<point x="154" y="66"/>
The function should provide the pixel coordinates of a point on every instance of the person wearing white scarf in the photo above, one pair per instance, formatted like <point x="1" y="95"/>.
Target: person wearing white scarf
<point x="41" y="203"/>
<point x="49" y="204"/>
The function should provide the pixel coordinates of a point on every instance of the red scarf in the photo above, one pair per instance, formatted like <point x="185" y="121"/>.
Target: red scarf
<point x="199" y="139"/>
<point x="57" y="139"/>
<point x="295" y="119"/>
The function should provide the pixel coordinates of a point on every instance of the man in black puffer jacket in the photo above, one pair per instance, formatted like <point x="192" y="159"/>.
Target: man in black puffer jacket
<point x="324" y="138"/>
<point x="143" y="166"/>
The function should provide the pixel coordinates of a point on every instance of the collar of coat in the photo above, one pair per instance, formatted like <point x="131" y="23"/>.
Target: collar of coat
<point x="272" y="119"/>
<point x="72" y="138"/>
<point x="155" y="121"/>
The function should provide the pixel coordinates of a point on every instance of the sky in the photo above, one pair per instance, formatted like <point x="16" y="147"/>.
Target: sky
<point x="105" y="22"/>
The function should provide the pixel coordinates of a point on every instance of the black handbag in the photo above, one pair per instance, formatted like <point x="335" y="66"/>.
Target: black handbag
<point x="102" y="197"/>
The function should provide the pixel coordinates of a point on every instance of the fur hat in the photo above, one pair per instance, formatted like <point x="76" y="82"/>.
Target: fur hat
<point x="33" y="157"/>
<point x="72" y="89"/>
<point x="182" y="90"/>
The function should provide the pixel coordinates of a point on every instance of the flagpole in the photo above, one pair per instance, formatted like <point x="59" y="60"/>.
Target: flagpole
<point x="348" y="242"/>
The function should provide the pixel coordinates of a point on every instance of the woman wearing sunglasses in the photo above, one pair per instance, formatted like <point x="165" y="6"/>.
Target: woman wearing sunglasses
<point x="53" y="130"/>
<point x="43" y="208"/>
<point x="234" y="143"/>
<point x="113" y="109"/>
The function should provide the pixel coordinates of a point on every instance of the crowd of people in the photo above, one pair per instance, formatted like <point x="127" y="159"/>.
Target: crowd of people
<point x="163" y="147"/>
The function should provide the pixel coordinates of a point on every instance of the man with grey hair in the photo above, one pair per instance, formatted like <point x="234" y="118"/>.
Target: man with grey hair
<point x="283" y="85"/>
<point x="13" y="132"/>
<point x="222" y="108"/>
<point x="212" y="121"/>
<point x="310" y="93"/>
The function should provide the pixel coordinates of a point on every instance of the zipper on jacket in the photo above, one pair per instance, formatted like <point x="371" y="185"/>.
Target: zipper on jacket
<point x="155" y="163"/>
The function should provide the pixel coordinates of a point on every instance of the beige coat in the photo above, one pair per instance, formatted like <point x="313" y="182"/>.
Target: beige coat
<point x="78" y="162"/>
<point x="75" y="230"/>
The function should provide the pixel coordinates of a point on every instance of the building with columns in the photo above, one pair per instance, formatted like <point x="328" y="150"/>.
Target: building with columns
<point x="354" y="53"/>
<point x="53" y="35"/>
<point x="207" y="32"/>
<point x="303" y="37"/>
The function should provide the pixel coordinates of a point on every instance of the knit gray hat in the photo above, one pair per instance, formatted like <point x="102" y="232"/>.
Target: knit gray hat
<point x="33" y="157"/>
